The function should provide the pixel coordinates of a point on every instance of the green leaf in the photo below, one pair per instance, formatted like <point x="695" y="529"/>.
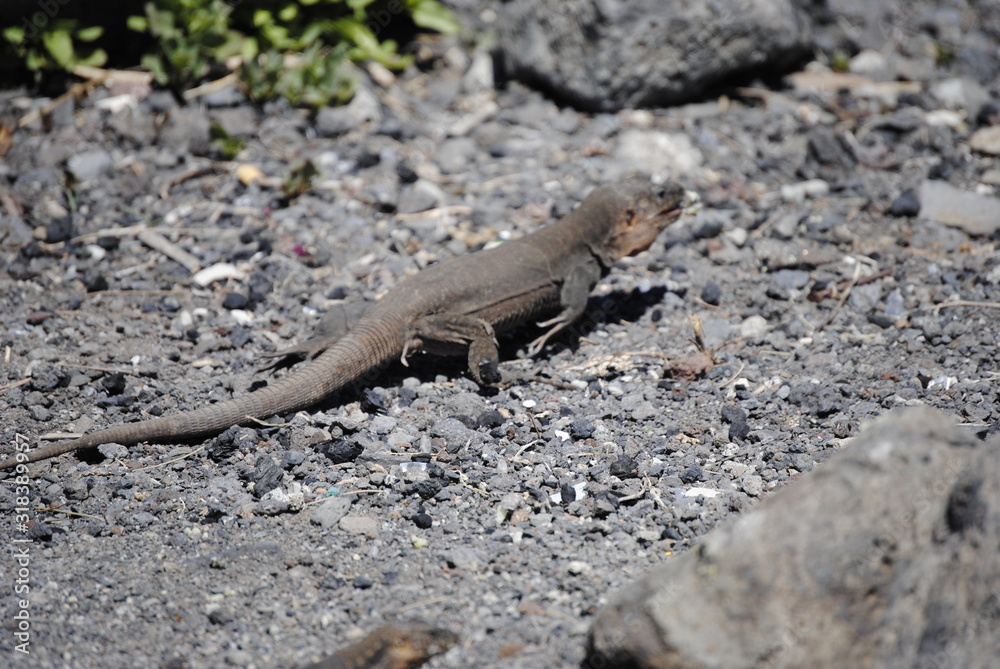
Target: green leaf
<point x="262" y="18"/>
<point x="96" y="59"/>
<point x="161" y="23"/>
<point x="288" y="12"/>
<point x="368" y="46"/>
<point x="137" y="23"/>
<point x="34" y="61"/>
<point x="433" y="15"/>
<point x="60" y="45"/>
<point x="154" y="64"/>
<point x="359" y="7"/>
<point x="14" y="34"/>
<point x="249" y="48"/>
<point x="89" y="34"/>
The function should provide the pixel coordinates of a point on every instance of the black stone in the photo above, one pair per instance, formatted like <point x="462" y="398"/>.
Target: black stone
<point x="94" y="281"/>
<point x="625" y="467"/>
<point x="341" y="451"/>
<point x="692" y="474"/>
<point x="235" y="301"/>
<point x="114" y="383"/>
<point x="427" y="489"/>
<point x="373" y="401"/>
<point x="581" y="429"/>
<point x="489" y="419"/>
<point x="906" y="204"/>
<point x="266" y="475"/>
<point x="712" y="294"/>
<point x="568" y="493"/>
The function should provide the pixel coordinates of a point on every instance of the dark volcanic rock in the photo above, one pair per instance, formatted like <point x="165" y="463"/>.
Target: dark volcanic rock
<point x="609" y="55"/>
<point x="911" y="519"/>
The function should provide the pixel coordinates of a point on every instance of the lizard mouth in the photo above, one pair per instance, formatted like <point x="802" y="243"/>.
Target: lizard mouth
<point x="688" y="204"/>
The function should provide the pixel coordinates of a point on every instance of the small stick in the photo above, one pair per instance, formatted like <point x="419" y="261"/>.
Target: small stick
<point x="14" y="384"/>
<point x="210" y="87"/>
<point x="843" y="297"/>
<point x="190" y="174"/>
<point x="158" y="242"/>
<point x="170" y="462"/>
<point x="439" y="212"/>
<point x="733" y="378"/>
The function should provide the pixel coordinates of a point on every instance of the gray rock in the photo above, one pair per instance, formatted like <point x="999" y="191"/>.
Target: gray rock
<point x="715" y="331"/>
<point x="986" y="140"/>
<point x="961" y="93"/>
<point x="784" y="227"/>
<point x="135" y="125"/>
<point x="895" y="304"/>
<point x="872" y="64"/>
<point x="363" y="525"/>
<point x="776" y="254"/>
<point x="238" y="121"/>
<point x="657" y="152"/>
<point x="786" y="283"/>
<point x="463" y="557"/>
<point x="90" y="165"/>
<point x="186" y="130"/>
<point x="421" y="195"/>
<point x="363" y="107"/>
<point x="383" y="424"/>
<point x="954" y="207"/>
<point x="113" y="451"/>
<point x="878" y="559"/>
<point x="455" y="154"/>
<point x="329" y="513"/>
<point x="227" y="96"/>
<point x="604" y="56"/>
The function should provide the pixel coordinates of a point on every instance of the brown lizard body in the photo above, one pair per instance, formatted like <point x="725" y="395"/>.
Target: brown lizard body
<point x="452" y="308"/>
<point x="396" y="646"/>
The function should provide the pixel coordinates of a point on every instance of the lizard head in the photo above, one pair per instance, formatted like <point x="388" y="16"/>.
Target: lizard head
<point x="641" y="211"/>
<point x="413" y="643"/>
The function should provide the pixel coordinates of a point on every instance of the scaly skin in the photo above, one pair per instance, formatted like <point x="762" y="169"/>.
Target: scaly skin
<point x="455" y="307"/>
<point x="397" y="646"/>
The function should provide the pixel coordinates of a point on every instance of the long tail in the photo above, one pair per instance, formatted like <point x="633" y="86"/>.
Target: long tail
<point x="354" y="358"/>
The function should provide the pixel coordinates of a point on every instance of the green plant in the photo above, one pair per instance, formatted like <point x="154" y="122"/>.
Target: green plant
<point x="227" y="145"/>
<point x="284" y="48"/>
<point x="191" y="37"/>
<point x="61" y="45"/>
<point x="325" y="33"/>
<point x="299" y="178"/>
<point x="840" y="61"/>
<point x="315" y="78"/>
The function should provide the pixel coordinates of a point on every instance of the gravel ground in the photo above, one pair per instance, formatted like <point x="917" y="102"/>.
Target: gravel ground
<point x="508" y="516"/>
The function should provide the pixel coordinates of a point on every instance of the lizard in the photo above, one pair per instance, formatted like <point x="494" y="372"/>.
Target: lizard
<point x="403" y="645"/>
<point x="455" y="307"/>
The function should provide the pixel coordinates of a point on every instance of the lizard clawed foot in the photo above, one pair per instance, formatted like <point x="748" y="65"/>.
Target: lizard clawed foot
<point x="488" y="371"/>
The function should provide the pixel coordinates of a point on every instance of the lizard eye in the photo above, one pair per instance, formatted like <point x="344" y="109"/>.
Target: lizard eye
<point x="660" y="193"/>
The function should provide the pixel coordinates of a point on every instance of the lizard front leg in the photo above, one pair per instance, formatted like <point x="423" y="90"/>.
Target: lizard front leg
<point x="450" y="334"/>
<point x="573" y="296"/>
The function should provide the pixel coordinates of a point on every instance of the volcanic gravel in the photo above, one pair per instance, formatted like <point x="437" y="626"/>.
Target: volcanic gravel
<point x="806" y="297"/>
